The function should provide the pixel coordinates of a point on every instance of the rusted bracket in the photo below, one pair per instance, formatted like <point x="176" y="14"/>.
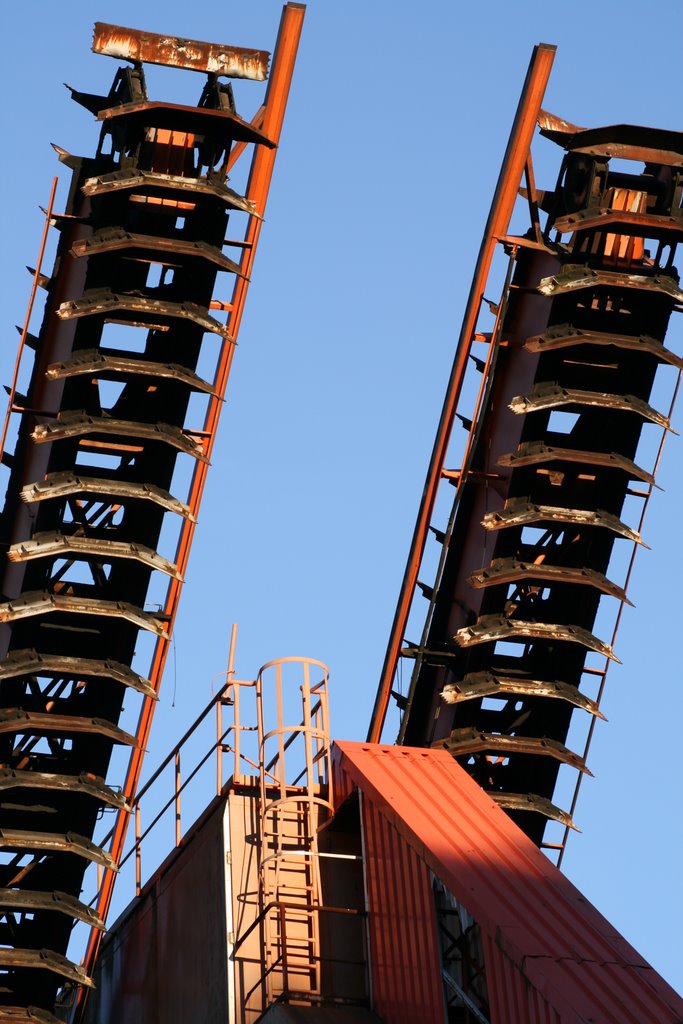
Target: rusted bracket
<point x="551" y="396"/>
<point x="173" y="51"/>
<point x="46" y="960"/>
<point x="532" y="200"/>
<point x="79" y="424"/>
<point x="39" y="603"/>
<point x="531" y="453"/>
<point x="532" y="802"/>
<point x="62" y="485"/>
<point x="29" y="662"/>
<point x="108" y="240"/>
<point x="623" y="141"/>
<point x="566" y="336"/>
<point x="135" y="178"/>
<point x="102" y="301"/>
<point x="472" y="741"/>
<point x="26" y="899"/>
<point x="16" y="720"/>
<point x="519" y="512"/>
<point x="181" y="118"/>
<point x="512" y="570"/>
<point x="649" y="225"/>
<point x="20" y="839"/>
<point x="60" y="545"/>
<point x="93" y="786"/>
<point x="106" y="364"/>
<point x="492" y="628"/>
<point x="26" y="1015"/>
<point x="575" y="277"/>
<point x="477" y="685"/>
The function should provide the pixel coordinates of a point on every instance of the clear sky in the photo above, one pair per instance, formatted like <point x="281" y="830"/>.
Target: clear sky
<point x="395" y="130"/>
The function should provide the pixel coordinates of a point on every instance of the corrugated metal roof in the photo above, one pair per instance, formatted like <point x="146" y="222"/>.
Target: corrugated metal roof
<point x="539" y="930"/>
<point x="404" y="951"/>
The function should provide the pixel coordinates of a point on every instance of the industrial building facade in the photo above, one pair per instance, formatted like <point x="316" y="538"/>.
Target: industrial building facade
<point x="325" y="881"/>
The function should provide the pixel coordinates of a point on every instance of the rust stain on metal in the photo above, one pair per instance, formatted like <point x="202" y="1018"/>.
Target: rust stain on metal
<point x="530" y="453"/>
<point x="552" y="396"/>
<point x="485" y="684"/>
<point x="491" y="628"/>
<point x="174" y="51"/>
<point x="513" y="570"/>
<point x="567" y="336"/>
<point x="523" y="513"/>
<point x="471" y="741"/>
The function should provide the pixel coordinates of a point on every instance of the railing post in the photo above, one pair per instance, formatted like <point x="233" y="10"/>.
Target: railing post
<point x="177" y="798"/>
<point x="283" y="949"/>
<point x="138" y="852"/>
<point x="219" y="745"/>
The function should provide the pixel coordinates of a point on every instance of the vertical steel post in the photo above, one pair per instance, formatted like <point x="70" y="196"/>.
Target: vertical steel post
<point x="504" y="198"/>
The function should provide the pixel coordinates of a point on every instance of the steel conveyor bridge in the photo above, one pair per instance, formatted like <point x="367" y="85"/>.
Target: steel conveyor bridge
<point x="556" y="470"/>
<point x="107" y="433"/>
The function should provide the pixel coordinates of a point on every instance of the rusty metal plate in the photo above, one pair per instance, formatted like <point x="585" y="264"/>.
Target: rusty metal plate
<point x="30" y="662"/>
<point x="107" y="240"/>
<point x="26" y="899"/>
<point x="518" y="512"/>
<point x="566" y="336"/>
<point x="491" y="628"/>
<point x="473" y="741"/>
<point x="135" y="178"/>
<point x="16" y="720"/>
<point x="46" y="960"/>
<point x="512" y="570"/>
<point x="177" y="117"/>
<point x="26" y="1015"/>
<point x="649" y="225"/>
<point x="531" y="453"/>
<point x="41" y="603"/>
<point x="477" y="685"/>
<point x="90" y="785"/>
<point x="71" y="842"/>
<point x="552" y="396"/>
<point x="625" y="141"/>
<point x="533" y="802"/>
<point x="62" y="485"/>
<point x="60" y="545"/>
<point x="175" y="51"/>
<point x="576" y="277"/>
<point x="106" y="364"/>
<point x="101" y="301"/>
<point x="78" y="424"/>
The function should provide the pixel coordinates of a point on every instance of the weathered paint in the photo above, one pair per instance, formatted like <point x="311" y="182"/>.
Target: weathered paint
<point x="550" y="957"/>
<point x="191" y="54"/>
<point x="404" y="953"/>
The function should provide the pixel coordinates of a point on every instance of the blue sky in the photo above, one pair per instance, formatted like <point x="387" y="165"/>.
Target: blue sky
<point x="395" y="130"/>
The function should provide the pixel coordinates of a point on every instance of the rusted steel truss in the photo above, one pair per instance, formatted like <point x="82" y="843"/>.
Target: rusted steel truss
<point x="552" y="453"/>
<point x="102" y="435"/>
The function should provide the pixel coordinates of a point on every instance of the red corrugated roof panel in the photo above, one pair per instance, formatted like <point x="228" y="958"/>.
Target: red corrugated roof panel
<point x="551" y="958"/>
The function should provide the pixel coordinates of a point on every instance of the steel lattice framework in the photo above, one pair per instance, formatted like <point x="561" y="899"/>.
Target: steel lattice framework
<point x="102" y="431"/>
<point x="566" y="375"/>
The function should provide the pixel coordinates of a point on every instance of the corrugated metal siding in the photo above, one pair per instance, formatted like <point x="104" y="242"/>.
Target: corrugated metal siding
<point x="512" y="998"/>
<point x="402" y="925"/>
<point x="548" y="938"/>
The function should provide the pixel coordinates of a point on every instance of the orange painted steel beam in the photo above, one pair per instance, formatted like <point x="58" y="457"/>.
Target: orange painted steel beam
<point x="514" y="163"/>
<point x="29" y="311"/>
<point x="271" y="120"/>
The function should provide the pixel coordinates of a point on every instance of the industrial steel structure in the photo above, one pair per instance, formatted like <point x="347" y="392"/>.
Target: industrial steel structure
<point x="566" y="374"/>
<point x="128" y="317"/>
<point x="322" y="881"/>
